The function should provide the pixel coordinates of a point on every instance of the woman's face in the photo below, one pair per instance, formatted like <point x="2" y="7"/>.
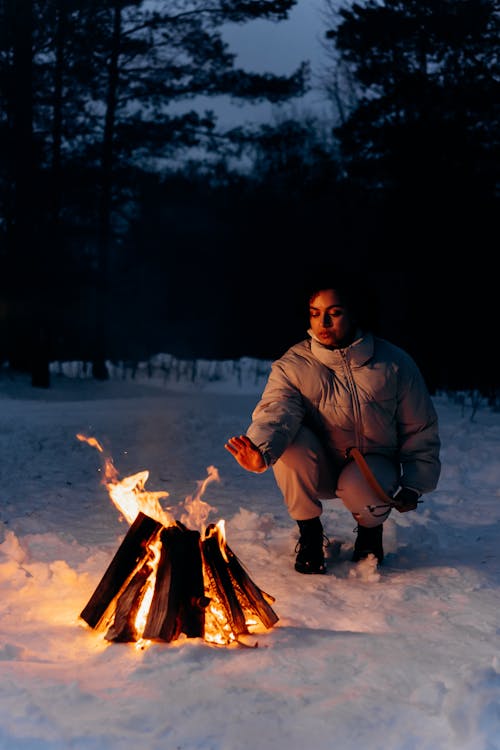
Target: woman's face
<point x="331" y="322"/>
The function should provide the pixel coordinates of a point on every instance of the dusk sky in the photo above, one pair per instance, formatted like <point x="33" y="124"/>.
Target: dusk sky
<point x="278" y="47"/>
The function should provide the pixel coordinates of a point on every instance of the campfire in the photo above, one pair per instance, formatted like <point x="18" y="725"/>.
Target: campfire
<point x="167" y="578"/>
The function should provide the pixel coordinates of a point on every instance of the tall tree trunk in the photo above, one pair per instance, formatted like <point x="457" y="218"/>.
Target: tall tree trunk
<point x="31" y="345"/>
<point x="57" y="115"/>
<point x="105" y="206"/>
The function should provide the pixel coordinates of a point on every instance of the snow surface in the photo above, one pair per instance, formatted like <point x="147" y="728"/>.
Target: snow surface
<point x="401" y="658"/>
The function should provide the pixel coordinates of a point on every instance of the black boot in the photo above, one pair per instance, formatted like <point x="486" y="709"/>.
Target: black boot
<point x="368" y="541"/>
<point x="310" y="555"/>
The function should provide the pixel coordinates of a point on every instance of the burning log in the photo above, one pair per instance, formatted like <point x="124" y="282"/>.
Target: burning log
<point x="235" y="589"/>
<point x="128" y="606"/>
<point x="164" y="581"/>
<point x="132" y="551"/>
<point x="179" y="600"/>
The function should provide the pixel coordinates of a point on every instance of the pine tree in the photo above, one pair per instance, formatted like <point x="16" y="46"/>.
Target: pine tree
<point x="427" y="112"/>
<point x="102" y="92"/>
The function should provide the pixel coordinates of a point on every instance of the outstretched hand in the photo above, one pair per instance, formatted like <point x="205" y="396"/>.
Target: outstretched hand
<point x="246" y="453"/>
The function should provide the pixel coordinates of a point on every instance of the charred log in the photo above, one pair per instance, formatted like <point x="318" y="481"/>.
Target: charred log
<point x="131" y="551"/>
<point x="128" y="603"/>
<point x="179" y="600"/>
<point x="257" y="600"/>
<point x="221" y="583"/>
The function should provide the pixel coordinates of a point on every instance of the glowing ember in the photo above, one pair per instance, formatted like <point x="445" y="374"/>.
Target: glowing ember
<point x="141" y="617"/>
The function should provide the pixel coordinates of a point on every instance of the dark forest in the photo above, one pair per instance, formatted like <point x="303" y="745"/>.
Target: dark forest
<point x="128" y="227"/>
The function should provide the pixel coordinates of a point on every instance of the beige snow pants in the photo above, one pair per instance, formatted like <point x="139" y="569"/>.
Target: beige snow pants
<point x="304" y="477"/>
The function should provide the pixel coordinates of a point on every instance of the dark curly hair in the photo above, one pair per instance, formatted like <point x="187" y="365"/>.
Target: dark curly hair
<point x="357" y="292"/>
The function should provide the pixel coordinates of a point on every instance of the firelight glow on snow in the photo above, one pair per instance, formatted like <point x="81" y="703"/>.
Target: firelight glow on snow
<point x="404" y="657"/>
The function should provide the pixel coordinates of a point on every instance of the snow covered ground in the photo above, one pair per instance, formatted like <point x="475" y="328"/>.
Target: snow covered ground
<point x="401" y="658"/>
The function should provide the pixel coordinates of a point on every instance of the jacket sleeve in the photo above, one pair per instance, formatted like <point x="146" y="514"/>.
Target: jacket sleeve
<point x="278" y="415"/>
<point x="418" y="431"/>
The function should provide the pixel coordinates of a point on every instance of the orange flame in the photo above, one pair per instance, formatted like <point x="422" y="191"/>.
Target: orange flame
<point x="91" y="441"/>
<point x="129" y="494"/>
<point x="217" y="628"/>
<point x="141" y="617"/>
<point x="197" y="509"/>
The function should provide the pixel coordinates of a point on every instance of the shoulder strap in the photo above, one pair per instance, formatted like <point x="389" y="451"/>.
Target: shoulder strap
<point x="368" y="475"/>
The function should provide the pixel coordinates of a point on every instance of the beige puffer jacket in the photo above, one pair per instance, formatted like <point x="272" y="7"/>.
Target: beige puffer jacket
<point x="370" y="395"/>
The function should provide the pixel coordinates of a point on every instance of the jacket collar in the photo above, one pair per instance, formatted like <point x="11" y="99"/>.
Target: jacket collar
<point x="357" y="354"/>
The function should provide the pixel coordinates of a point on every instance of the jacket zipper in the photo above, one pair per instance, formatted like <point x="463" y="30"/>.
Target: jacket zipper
<point x="355" y="400"/>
